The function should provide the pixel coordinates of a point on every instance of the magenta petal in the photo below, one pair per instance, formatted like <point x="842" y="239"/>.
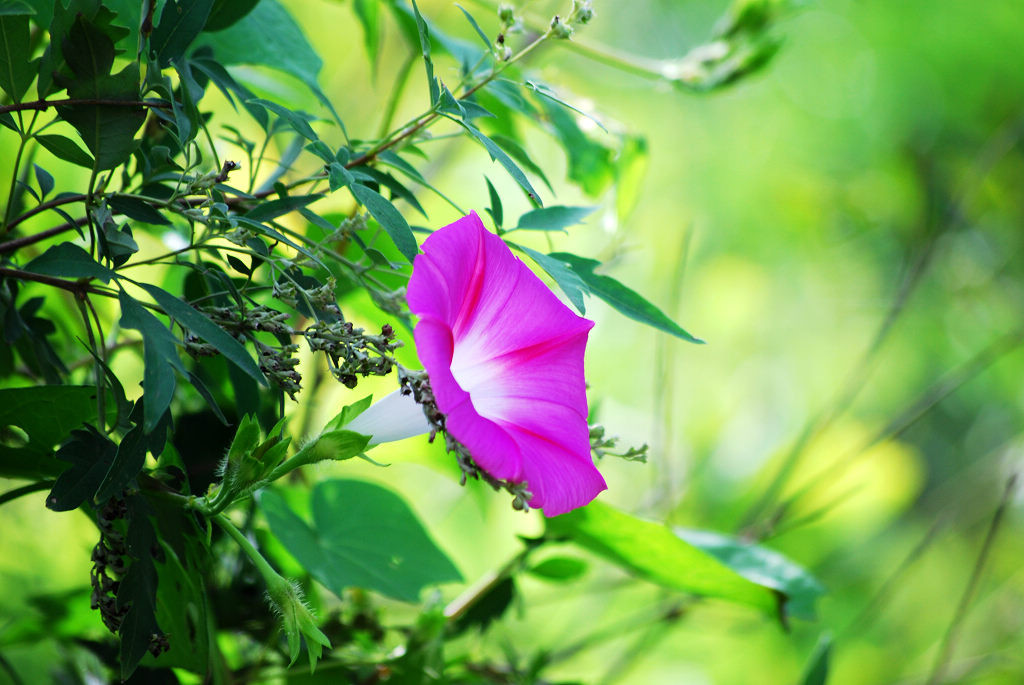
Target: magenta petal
<point x="505" y="360"/>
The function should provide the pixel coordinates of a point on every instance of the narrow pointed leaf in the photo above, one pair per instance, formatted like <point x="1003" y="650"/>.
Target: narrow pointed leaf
<point x="198" y="323"/>
<point x="390" y="219"/>
<point x="624" y="300"/>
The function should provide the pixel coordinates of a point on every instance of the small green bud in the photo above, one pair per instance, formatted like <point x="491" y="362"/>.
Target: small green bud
<point x="506" y="14"/>
<point x="560" y="29"/>
<point x="582" y="12"/>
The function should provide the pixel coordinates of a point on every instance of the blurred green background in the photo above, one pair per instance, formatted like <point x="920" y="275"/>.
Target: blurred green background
<point x="844" y="229"/>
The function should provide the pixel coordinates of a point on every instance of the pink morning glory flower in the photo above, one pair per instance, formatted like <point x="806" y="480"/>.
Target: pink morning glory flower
<point x="505" y="362"/>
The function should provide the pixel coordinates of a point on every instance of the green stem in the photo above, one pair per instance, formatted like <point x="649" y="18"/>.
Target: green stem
<point x="270" y="576"/>
<point x="478" y="590"/>
<point x="14" y="182"/>
<point x="431" y="116"/>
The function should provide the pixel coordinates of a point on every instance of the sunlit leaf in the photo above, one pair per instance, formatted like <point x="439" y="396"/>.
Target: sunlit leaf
<point x="762" y="566"/>
<point x="553" y="218"/>
<point x="651" y="551"/>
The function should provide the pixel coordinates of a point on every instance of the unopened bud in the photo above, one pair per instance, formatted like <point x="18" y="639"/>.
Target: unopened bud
<point x="506" y="14"/>
<point x="560" y="29"/>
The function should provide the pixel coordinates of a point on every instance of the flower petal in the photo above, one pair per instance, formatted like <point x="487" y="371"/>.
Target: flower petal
<point x="505" y="360"/>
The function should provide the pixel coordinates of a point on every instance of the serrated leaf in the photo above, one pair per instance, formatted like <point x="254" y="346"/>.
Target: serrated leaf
<point x="127" y="462"/>
<point x="160" y="357"/>
<point x="624" y="300"/>
<point x="653" y="552"/>
<point x="107" y="130"/>
<point x="66" y="149"/>
<point x="390" y="219"/>
<point x="199" y="324"/>
<point x="362" y="536"/>
<point x="90" y="454"/>
<point x="67" y="260"/>
<point x="553" y="218"/>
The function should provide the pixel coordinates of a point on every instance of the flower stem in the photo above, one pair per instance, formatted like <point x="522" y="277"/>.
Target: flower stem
<point x="270" y="576"/>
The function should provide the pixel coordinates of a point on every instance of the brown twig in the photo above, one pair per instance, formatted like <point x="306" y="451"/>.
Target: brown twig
<point x="42" y="105"/>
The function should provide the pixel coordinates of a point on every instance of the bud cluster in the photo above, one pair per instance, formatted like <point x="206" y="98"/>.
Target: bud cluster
<point x="353" y="352"/>
<point x="109" y="555"/>
<point x="602" y="446"/>
<point x="278" y="365"/>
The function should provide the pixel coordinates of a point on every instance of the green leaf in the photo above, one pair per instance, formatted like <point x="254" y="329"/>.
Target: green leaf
<point x="553" y="218"/>
<point x="198" y="323"/>
<point x="137" y="209"/>
<point x="299" y="121"/>
<point x="90" y="454"/>
<point x="567" y="279"/>
<point x="66" y="149"/>
<point x="368" y="13"/>
<point x="559" y="569"/>
<point x="762" y="566"/>
<point x="818" y="667"/>
<point x="653" y="552"/>
<point x="45" y="181"/>
<point x="271" y="209"/>
<point x="67" y="260"/>
<point x="270" y="37"/>
<point x="107" y="130"/>
<point x="590" y="163"/>
<point x="9" y="8"/>
<point x="622" y="299"/>
<point x="160" y="357"/>
<point x="497" y="153"/>
<point x="362" y="536"/>
<point x="476" y="27"/>
<point x="182" y="605"/>
<point x="46" y="414"/>
<point x="390" y="219"/>
<point x="16" y="69"/>
<point x="424" y="36"/>
<point x="227" y="12"/>
<point x="129" y="460"/>
<point x="497" y="215"/>
<point x="137" y="589"/>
